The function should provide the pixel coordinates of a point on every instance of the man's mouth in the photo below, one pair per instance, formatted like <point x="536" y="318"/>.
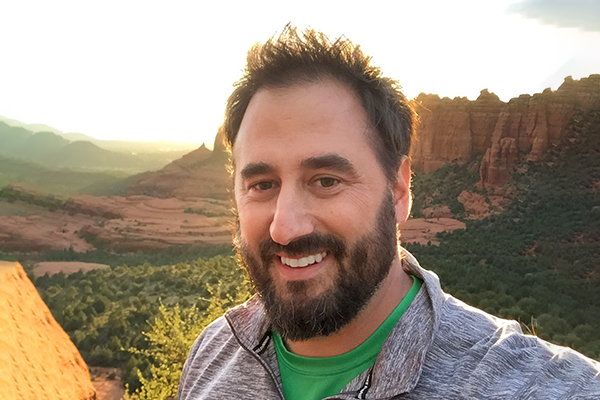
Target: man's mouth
<point x="304" y="261"/>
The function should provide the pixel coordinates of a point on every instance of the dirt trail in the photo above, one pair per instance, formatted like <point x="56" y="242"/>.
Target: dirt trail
<point x="67" y="267"/>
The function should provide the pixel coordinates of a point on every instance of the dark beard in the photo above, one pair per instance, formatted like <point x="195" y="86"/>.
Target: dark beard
<point x="361" y="270"/>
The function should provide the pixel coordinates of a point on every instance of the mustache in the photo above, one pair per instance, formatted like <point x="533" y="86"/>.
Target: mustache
<point x="308" y="244"/>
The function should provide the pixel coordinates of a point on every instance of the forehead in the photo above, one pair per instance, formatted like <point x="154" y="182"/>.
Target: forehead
<point x="289" y="124"/>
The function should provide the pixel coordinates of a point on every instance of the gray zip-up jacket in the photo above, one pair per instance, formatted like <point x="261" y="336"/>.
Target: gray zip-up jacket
<point x="440" y="349"/>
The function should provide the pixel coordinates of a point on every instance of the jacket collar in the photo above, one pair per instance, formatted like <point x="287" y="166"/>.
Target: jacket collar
<point x="399" y="364"/>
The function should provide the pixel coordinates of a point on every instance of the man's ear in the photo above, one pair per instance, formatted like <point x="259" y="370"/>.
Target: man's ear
<point x="402" y="195"/>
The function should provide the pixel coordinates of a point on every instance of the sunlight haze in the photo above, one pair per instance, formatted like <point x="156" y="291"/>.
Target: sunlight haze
<point x="141" y="70"/>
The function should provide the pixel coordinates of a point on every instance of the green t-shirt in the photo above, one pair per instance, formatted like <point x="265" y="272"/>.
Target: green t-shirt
<point x="313" y="378"/>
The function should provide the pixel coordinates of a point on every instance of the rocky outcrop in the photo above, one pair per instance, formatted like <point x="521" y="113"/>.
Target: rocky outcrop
<point x="498" y="162"/>
<point x="452" y="130"/>
<point x="37" y="358"/>
<point x="437" y="212"/>
<point x="201" y="173"/>
<point x="444" y="132"/>
<point x="475" y="205"/>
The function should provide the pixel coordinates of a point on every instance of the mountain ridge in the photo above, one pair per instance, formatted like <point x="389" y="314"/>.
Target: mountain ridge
<point x="49" y="149"/>
<point x="453" y="130"/>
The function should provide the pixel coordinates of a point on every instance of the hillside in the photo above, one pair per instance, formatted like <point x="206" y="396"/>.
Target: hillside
<point x="61" y="182"/>
<point x="177" y="149"/>
<point x="32" y="222"/>
<point x="499" y="135"/>
<point x="527" y="246"/>
<point x="37" y="358"/>
<point x="51" y="150"/>
<point x="29" y="127"/>
<point x="201" y="173"/>
<point x="537" y="260"/>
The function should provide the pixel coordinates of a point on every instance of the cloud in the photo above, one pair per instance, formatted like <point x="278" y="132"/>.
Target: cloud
<point x="582" y="14"/>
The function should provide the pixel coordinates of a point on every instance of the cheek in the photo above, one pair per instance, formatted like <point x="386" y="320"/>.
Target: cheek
<point x="352" y="217"/>
<point x="253" y="224"/>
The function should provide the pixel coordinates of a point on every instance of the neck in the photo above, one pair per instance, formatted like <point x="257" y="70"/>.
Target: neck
<point x="390" y="293"/>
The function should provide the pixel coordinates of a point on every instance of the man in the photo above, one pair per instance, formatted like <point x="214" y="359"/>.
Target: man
<point x="320" y="144"/>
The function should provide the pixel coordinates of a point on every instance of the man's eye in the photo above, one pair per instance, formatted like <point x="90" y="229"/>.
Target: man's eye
<point x="328" y="182"/>
<point x="265" y="185"/>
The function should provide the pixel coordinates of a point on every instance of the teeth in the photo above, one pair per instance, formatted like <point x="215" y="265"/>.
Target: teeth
<point x="304" y="261"/>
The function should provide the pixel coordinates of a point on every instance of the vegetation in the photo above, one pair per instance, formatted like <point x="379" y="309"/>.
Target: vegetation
<point x="60" y="182"/>
<point x="174" y="254"/>
<point x="202" y="211"/>
<point x="105" y="311"/>
<point x="442" y="187"/>
<point x="537" y="262"/>
<point x="12" y="194"/>
<point x="171" y="337"/>
<point x="49" y="149"/>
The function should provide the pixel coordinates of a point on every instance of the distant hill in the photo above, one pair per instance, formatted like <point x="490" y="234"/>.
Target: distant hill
<point x="38" y="145"/>
<point x="86" y="155"/>
<point x="201" y="173"/>
<point x="30" y="127"/>
<point x="164" y="147"/>
<point x="51" y="150"/>
<point x="62" y="182"/>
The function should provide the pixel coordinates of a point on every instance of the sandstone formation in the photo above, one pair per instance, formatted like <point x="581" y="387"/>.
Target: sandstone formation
<point x="201" y="173"/>
<point x="449" y="130"/>
<point x="437" y="212"/>
<point x="453" y="130"/>
<point x="475" y="205"/>
<point x="37" y="358"/>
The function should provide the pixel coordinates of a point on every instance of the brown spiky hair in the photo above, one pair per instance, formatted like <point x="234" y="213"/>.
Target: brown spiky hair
<point x="294" y="58"/>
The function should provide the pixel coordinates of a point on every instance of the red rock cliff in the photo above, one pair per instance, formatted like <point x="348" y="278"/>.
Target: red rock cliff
<point x="37" y="358"/>
<point x="453" y="130"/>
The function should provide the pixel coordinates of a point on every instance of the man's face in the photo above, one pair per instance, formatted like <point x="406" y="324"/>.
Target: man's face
<point x="317" y="222"/>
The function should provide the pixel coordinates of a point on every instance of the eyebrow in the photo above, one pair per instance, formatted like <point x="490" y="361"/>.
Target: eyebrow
<point x="333" y="162"/>
<point x="254" y="169"/>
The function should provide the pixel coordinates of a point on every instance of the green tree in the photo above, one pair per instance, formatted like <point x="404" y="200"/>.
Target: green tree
<point x="171" y="337"/>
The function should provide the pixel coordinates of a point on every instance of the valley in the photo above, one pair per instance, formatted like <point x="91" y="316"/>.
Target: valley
<point x="505" y="210"/>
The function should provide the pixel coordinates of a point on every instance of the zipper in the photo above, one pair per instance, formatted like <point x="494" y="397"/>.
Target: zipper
<point x="259" y="349"/>
<point x="362" y="392"/>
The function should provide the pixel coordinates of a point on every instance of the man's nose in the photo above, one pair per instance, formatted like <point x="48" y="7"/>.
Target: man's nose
<point x="292" y="218"/>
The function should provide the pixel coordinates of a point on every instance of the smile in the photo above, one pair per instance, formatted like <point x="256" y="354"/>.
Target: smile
<point x="304" y="261"/>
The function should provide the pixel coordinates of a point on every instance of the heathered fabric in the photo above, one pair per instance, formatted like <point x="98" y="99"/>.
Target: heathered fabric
<point x="440" y="349"/>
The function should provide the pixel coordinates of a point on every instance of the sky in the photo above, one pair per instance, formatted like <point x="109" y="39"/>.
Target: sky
<point x="162" y="70"/>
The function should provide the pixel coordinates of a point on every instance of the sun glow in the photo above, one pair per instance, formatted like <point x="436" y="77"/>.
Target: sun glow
<point x="152" y="71"/>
